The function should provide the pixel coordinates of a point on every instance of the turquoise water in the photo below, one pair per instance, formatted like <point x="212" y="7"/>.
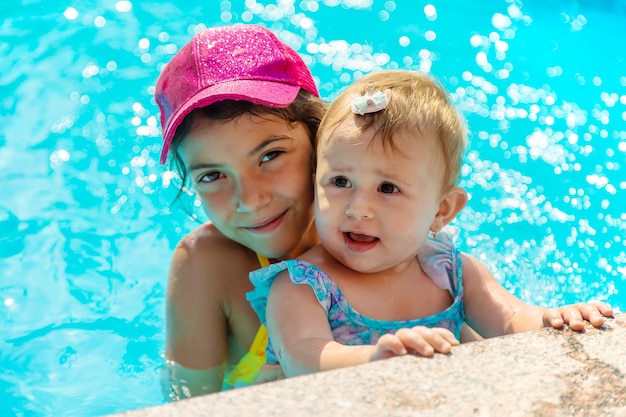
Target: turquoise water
<point x="86" y="228"/>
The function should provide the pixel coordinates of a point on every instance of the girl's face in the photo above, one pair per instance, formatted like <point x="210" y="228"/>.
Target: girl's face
<point x="375" y="205"/>
<point x="253" y="176"/>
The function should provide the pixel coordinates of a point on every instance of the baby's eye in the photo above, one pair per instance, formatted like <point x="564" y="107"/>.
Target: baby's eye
<point x="210" y="177"/>
<point x="271" y="155"/>
<point x="388" y="188"/>
<point x="341" y="182"/>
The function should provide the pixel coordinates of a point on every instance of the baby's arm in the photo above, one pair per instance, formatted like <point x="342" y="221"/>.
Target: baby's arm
<point x="300" y="333"/>
<point x="303" y="341"/>
<point x="494" y="311"/>
<point x="299" y="330"/>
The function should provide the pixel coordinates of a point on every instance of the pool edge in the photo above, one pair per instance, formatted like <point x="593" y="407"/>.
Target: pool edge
<point x="541" y="373"/>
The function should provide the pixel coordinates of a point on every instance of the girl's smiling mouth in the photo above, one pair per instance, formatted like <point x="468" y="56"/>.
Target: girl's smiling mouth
<point x="268" y="225"/>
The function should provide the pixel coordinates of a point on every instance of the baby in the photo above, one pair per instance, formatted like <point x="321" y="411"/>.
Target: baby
<point x="387" y="278"/>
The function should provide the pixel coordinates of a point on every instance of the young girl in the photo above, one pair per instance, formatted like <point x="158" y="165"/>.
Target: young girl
<point x="387" y="278"/>
<point x="239" y="111"/>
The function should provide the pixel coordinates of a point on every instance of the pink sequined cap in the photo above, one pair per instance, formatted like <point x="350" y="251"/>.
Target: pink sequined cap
<point x="241" y="62"/>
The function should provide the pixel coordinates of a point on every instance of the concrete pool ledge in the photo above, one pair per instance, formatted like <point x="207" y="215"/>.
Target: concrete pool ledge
<point x="543" y="373"/>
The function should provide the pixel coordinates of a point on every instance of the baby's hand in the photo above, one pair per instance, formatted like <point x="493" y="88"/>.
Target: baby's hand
<point x="422" y="340"/>
<point x="575" y="315"/>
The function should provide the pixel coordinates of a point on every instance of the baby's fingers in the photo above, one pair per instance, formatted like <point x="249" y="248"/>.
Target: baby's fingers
<point x="572" y="315"/>
<point x="414" y="341"/>
<point x="595" y="312"/>
<point x="553" y="317"/>
<point x="576" y="314"/>
<point x="447" y="335"/>
<point x="603" y="308"/>
<point x="441" y="339"/>
<point x="426" y="341"/>
<point x="390" y="343"/>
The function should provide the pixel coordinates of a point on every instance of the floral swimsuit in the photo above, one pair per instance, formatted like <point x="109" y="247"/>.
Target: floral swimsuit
<point x="440" y="259"/>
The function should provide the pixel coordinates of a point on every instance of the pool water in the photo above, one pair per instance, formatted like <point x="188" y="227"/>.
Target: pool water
<point x="86" y="221"/>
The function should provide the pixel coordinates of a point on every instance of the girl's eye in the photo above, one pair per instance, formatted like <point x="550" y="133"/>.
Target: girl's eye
<point x="271" y="155"/>
<point x="341" y="182"/>
<point x="388" y="188"/>
<point x="210" y="177"/>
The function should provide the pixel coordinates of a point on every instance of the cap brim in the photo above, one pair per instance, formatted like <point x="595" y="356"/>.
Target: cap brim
<point x="267" y="93"/>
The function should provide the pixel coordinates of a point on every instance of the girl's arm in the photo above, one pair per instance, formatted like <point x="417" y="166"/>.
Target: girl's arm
<point x="205" y="303"/>
<point x="493" y="311"/>
<point x="196" y="343"/>
<point x="179" y="382"/>
<point x="303" y="341"/>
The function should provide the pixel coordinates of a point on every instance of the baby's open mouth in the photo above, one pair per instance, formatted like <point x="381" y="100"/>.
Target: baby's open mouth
<point x="360" y="238"/>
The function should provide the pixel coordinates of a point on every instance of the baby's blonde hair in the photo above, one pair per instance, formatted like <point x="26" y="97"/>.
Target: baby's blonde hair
<point x="416" y="101"/>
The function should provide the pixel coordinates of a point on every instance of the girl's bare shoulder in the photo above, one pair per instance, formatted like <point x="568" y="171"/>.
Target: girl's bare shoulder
<point x="206" y="253"/>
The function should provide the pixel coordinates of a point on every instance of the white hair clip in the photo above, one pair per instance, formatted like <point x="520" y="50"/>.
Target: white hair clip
<point x="370" y="102"/>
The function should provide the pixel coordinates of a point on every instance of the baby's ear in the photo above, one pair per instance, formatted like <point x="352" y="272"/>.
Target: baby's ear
<point x="451" y="204"/>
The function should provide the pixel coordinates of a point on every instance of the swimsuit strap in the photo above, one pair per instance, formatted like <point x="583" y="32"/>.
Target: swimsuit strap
<point x="247" y="370"/>
<point x="263" y="261"/>
<point x="248" y="367"/>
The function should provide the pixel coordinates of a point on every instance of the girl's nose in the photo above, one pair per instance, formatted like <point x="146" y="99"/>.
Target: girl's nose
<point x="252" y="196"/>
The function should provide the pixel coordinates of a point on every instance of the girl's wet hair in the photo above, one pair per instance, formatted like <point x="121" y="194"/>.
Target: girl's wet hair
<point x="416" y="102"/>
<point x="306" y="109"/>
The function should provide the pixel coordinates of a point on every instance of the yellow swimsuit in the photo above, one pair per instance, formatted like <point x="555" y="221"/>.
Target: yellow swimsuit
<point x="247" y="369"/>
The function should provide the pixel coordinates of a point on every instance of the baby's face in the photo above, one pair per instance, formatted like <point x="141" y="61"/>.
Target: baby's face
<point x="375" y="204"/>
